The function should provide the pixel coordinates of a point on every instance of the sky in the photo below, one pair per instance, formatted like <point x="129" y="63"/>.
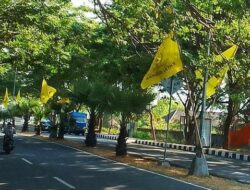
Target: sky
<point x="84" y="2"/>
<point x="80" y="2"/>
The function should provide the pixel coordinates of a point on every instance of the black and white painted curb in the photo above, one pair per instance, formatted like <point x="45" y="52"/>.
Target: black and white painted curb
<point x="190" y="148"/>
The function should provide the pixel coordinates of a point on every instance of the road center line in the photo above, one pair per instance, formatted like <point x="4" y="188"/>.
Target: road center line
<point x="64" y="183"/>
<point x="27" y="161"/>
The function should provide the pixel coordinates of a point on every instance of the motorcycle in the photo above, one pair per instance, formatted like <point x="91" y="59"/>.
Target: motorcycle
<point x="8" y="144"/>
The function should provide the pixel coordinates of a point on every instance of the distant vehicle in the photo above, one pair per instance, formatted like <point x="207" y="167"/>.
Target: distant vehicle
<point x="45" y="124"/>
<point x="77" y="123"/>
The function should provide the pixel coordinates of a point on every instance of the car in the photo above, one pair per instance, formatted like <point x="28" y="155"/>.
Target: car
<point x="45" y="124"/>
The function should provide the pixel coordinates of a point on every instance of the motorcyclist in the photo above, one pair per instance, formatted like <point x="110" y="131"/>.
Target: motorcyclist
<point x="9" y="131"/>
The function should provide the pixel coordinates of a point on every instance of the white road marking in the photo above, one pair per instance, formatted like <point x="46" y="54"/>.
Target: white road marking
<point x="64" y="183"/>
<point x="27" y="161"/>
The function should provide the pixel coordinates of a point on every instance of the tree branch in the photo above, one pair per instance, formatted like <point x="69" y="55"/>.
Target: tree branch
<point x="107" y="14"/>
<point x="196" y="14"/>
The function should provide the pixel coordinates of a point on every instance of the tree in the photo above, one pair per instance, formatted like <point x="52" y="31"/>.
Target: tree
<point x="38" y="112"/>
<point x="26" y="107"/>
<point x="128" y="102"/>
<point x="93" y="94"/>
<point x="191" y="23"/>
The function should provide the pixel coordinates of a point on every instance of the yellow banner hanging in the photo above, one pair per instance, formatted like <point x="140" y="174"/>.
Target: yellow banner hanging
<point x="228" y="54"/>
<point x="215" y="81"/>
<point x="47" y="92"/>
<point x="18" y="96"/>
<point x="6" y="99"/>
<point x="198" y="74"/>
<point x="64" y="101"/>
<point x="167" y="62"/>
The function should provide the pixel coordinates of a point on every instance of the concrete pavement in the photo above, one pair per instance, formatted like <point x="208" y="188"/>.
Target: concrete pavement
<point x="210" y="151"/>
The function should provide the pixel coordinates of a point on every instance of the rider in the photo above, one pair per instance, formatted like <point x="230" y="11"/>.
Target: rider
<point x="9" y="131"/>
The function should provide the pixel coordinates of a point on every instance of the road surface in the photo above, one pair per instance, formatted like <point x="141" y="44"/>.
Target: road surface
<point x="39" y="165"/>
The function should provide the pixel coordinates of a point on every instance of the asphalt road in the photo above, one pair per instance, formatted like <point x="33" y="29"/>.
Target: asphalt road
<point x="38" y="165"/>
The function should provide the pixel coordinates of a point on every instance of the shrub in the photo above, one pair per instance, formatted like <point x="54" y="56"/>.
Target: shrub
<point x="142" y="135"/>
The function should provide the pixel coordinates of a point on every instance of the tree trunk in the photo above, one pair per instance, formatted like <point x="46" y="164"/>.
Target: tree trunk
<point x="151" y="124"/>
<point x="63" y="121"/>
<point x="53" y="129"/>
<point x="121" y="147"/>
<point x="189" y="130"/>
<point x="91" y="136"/>
<point x="38" y="129"/>
<point x="111" y="124"/>
<point x="228" y="121"/>
<point x="13" y="122"/>
<point x="26" y="123"/>
<point x="100" y="124"/>
<point x="4" y="122"/>
<point x="190" y="135"/>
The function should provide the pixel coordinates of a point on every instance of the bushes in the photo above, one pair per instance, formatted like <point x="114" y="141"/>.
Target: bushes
<point x="112" y="131"/>
<point x="173" y="137"/>
<point x="142" y="135"/>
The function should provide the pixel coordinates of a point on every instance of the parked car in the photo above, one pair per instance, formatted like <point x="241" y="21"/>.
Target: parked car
<point x="45" y="124"/>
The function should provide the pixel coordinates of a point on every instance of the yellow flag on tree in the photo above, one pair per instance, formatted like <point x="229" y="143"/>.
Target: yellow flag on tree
<point x="6" y="99"/>
<point x="64" y="101"/>
<point x="228" y="54"/>
<point x="215" y="81"/>
<point x="198" y="74"/>
<point x="47" y="92"/>
<point x="18" y="96"/>
<point x="167" y="62"/>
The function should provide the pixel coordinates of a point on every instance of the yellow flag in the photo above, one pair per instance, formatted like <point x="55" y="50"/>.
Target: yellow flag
<point x="215" y="81"/>
<point x="167" y="62"/>
<point x="228" y="54"/>
<point x="47" y="92"/>
<point x="63" y="101"/>
<point x="6" y="99"/>
<point x="18" y="96"/>
<point x="198" y="74"/>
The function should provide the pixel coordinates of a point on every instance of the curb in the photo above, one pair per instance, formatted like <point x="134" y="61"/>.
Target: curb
<point x="190" y="148"/>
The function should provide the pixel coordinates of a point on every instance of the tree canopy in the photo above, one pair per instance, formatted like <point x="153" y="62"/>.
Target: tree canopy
<point x="100" y="62"/>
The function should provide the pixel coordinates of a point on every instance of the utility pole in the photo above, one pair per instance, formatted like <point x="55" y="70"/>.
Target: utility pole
<point x="165" y="162"/>
<point x="204" y="91"/>
<point x="14" y="83"/>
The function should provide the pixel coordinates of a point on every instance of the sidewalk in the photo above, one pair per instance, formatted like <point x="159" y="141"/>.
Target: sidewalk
<point x="210" y="151"/>
<point x="180" y="155"/>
